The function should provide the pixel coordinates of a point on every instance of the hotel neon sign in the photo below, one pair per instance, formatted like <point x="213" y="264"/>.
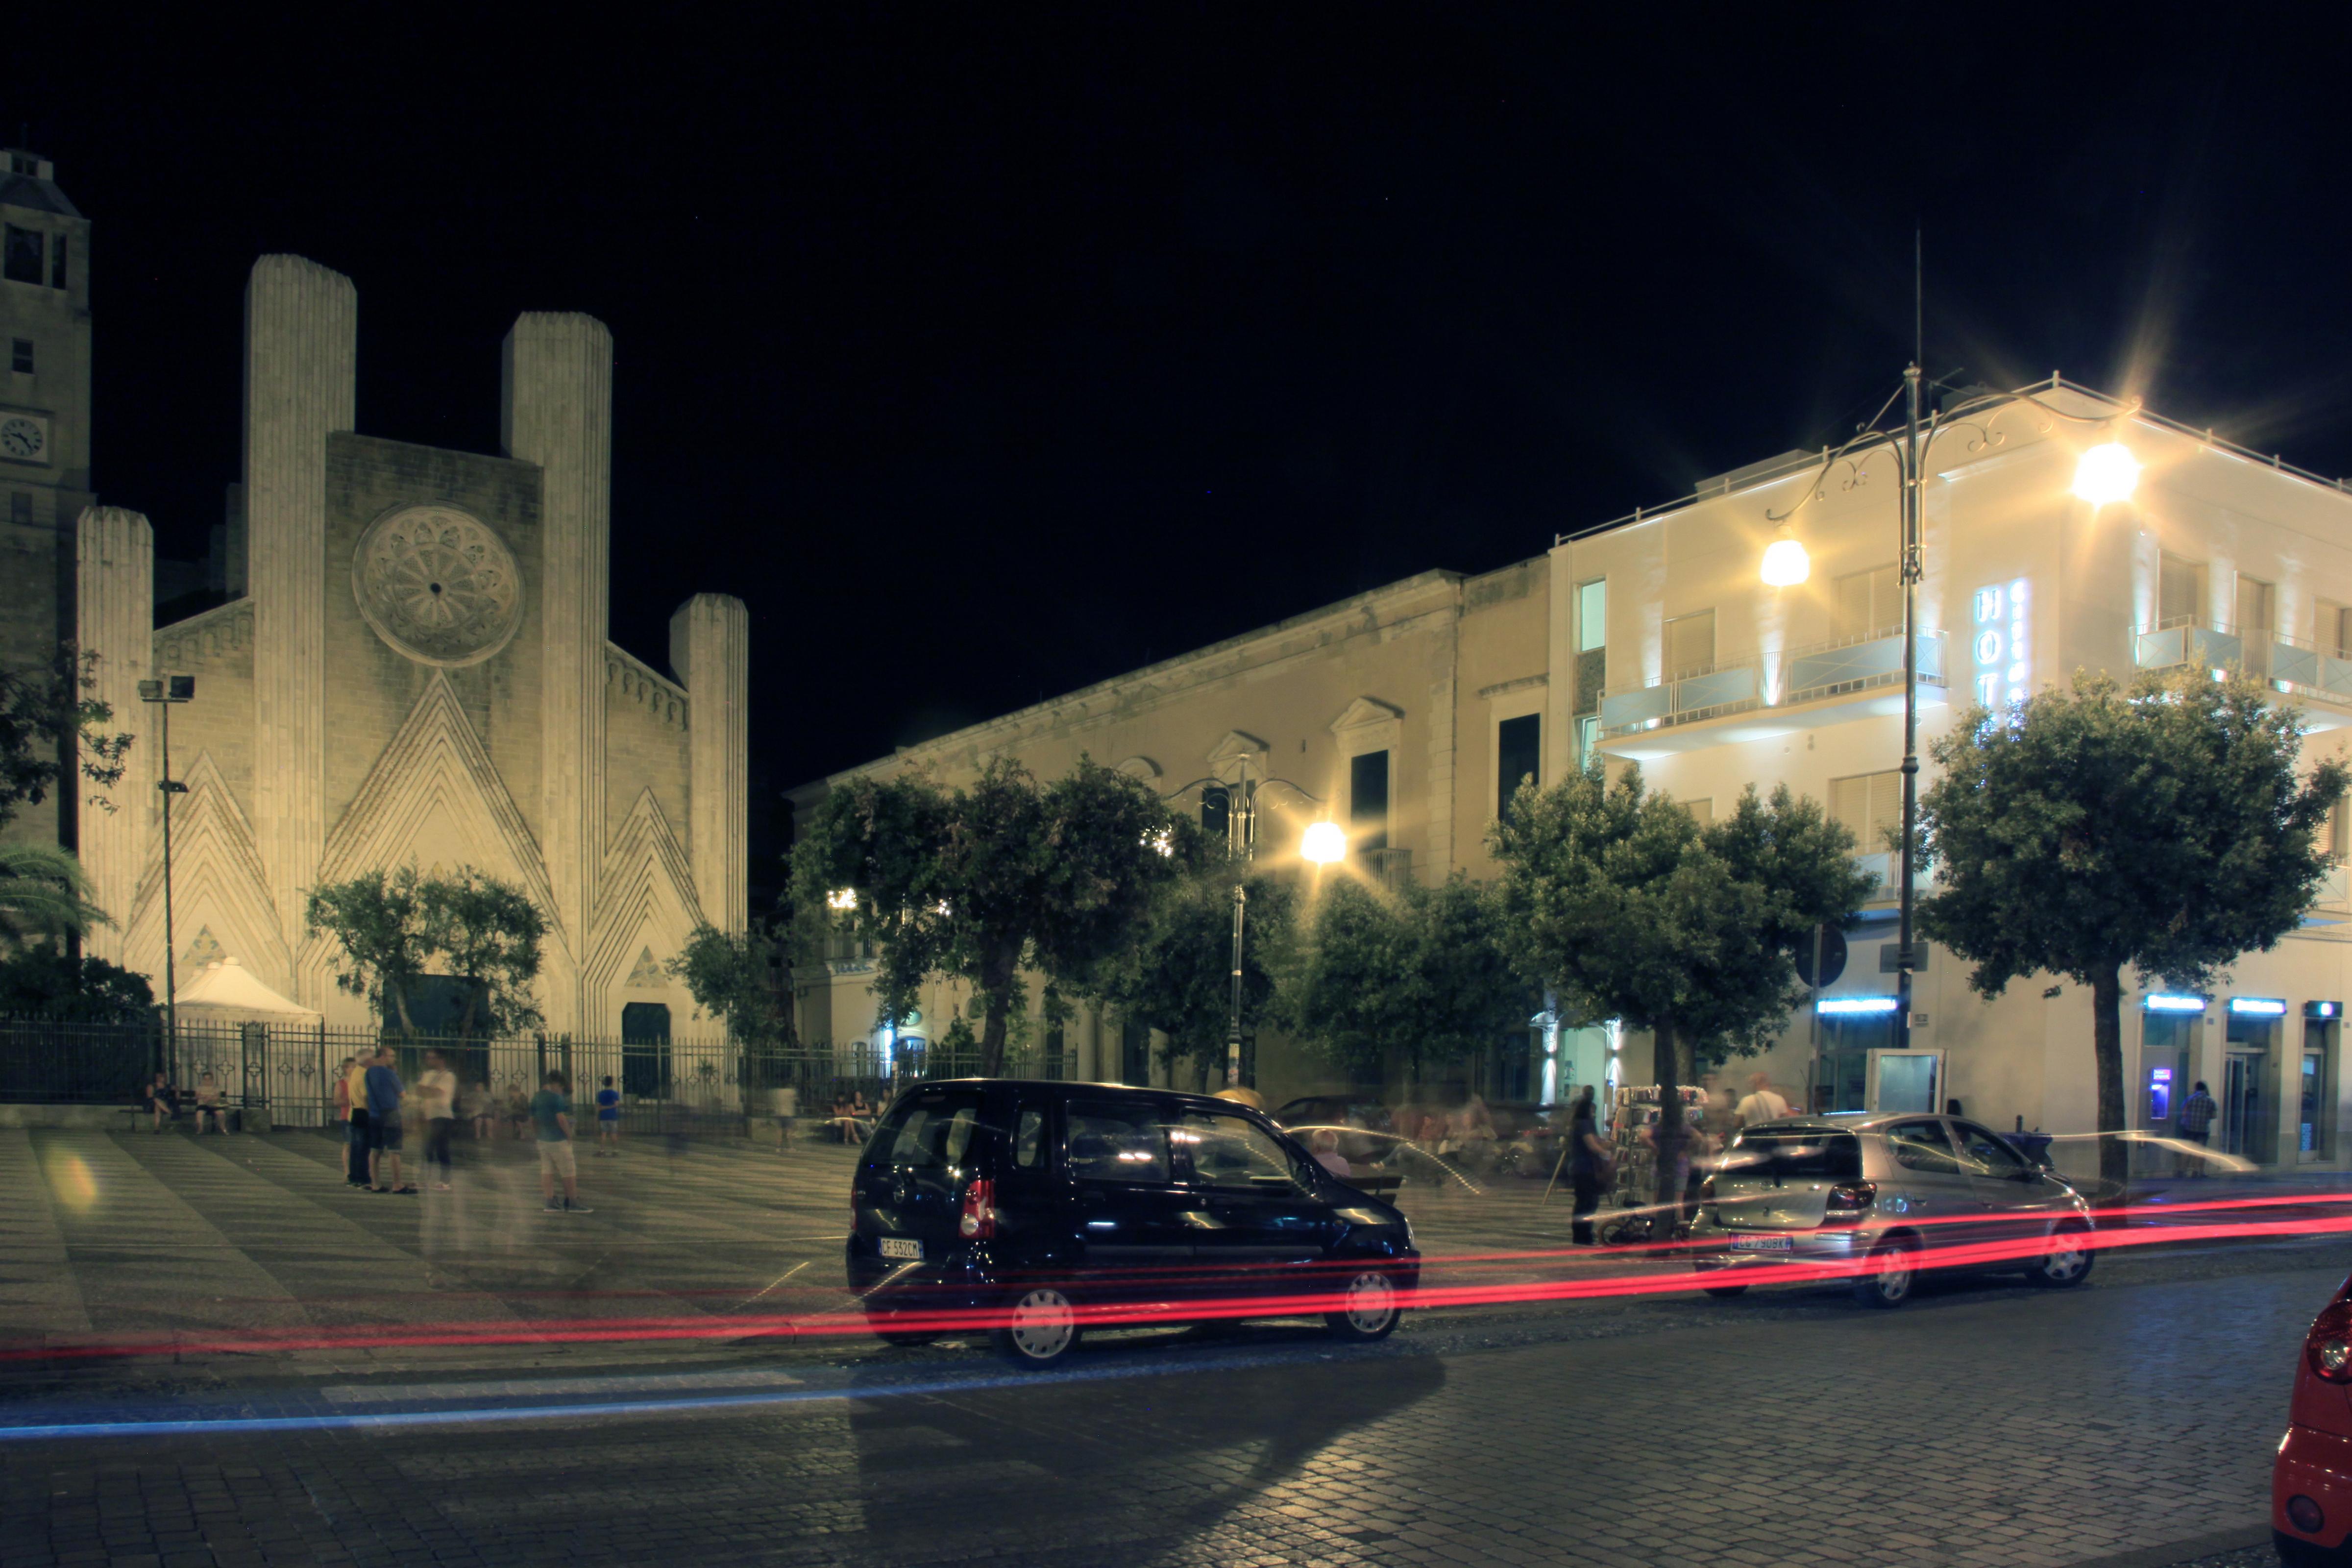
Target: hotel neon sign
<point x="2003" y="644"/>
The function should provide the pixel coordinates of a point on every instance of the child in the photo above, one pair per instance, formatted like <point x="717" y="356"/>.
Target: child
<point x="608" y="1121"/>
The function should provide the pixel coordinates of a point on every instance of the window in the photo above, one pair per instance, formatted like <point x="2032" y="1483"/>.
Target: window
<point x="1113" y="1142"/>
<point x="1869" y="602"/>
<point x="56" y="261"/>
<point x="1587" y="736"/>
<point x="1134" y="1051"/>
<point x="1367" y="800"/>
<point x="1028" y="1138"/>
<point x="1922" y="1146"/>
<point x="2328" y="627"/>
<point x="2340" y="830"/>
<point x="1796" y="1157"/>
<point x="1870" y="807"/>
<point x="1988" y="1153"/>
<point x="20" y="259"/>
<point x="925" y="1137"/>
<point x="1518" y="756"/>
<point x="1216" y="814"/>
<point x="20" y="508"/>
<point x="1592" y="616"/>
<point x="20" y="355"/>
<point x="1701" y="807"/>
<point x="1235" y="1153"/>
<point x="2255" y="600"/>
<point x="2179" y="591"/>
<point x="1690" y="643"/>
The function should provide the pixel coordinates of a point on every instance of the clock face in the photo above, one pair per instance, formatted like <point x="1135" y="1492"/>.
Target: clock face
<point x="22" y="439"/>
<point x="438" y="584"/>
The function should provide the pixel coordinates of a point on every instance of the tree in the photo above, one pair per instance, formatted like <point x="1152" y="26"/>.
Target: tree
<point x="1422" y="974"/>
<point x="2160" y="824"/>
<point x="41" y="712"/>
<point x="43" y="893"/>
<point x="1631" y="909"/>
<point x="390" y="925"/>
<point x="1178" y="973"/>
<point x="46" y="981"/>
<point x="980" y="883"/>
<point x="730" y="975"/>
<point x="488" y="933"/>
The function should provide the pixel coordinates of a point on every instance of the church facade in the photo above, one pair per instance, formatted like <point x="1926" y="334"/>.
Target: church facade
<point x="411" y="668"/>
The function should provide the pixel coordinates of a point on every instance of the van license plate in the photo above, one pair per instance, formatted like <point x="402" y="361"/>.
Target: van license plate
<point x="901" y="1246"/>
<point x="1739" y="1244"/>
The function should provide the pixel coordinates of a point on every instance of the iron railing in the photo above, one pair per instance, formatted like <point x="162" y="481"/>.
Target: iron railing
<point x="290" y="1071"/>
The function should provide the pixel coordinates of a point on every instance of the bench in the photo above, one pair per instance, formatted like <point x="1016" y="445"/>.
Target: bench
<point x="1383" y="1186"/>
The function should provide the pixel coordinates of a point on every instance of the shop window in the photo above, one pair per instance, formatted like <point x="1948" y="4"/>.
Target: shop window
<point x="20" y="255"/>
<point x="1518" y="754"/>
<point x="1367" y="800"/>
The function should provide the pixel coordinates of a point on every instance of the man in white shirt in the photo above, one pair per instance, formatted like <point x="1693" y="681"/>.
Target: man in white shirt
<point x="436" y="1089"/>
<point x="1761" y="1104"/>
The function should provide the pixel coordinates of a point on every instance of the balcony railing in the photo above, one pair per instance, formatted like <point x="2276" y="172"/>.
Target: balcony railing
<point x="2321" y="672"/>
<point x="1813" y="673"/>
<point x="2187" y="640"/>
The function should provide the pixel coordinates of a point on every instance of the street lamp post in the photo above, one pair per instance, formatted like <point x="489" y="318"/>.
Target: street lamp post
<point x="166" y="694"/>
<point x="1241" y="845"/>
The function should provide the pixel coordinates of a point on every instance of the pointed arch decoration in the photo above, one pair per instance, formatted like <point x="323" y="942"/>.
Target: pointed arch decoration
<point x="217" y="884"/>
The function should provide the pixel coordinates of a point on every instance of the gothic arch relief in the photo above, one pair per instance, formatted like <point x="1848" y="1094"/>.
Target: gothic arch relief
<point x="645" y="906"/>
<point x="217" y="885"/>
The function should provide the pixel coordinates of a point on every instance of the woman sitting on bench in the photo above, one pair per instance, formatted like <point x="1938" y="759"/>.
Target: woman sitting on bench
<point x="161" y="1099"/>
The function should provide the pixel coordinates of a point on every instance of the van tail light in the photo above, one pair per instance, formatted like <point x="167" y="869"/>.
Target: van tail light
<point x="1707" y="1191"/>
<point x="1849" y="1202"/>
<point x="978" y="1220"/>
<point x="2328" y="1348"/>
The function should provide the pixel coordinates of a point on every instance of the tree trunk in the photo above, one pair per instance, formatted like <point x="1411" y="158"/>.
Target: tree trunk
<point x="997" y="976"/>
<point x="2107" y="1046"/>
<point x="1670" y="1132"/>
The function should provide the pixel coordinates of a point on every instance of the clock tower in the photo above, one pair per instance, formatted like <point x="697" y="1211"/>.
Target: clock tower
<point x="45" y="480"/>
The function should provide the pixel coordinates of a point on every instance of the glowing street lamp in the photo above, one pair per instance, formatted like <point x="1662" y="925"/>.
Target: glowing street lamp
<point x="1324" y="843"/>
<point x="1786" y="564"/>
<point x="841" y="900"/>
<point x="2107" y="474"/>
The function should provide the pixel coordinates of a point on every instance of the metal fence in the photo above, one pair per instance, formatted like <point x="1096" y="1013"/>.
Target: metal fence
<point x="290" y="1070"/>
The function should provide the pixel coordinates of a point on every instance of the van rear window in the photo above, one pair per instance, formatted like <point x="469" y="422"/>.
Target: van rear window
<point x="1791" y="1156"/>
<point x="927" y="1131"/>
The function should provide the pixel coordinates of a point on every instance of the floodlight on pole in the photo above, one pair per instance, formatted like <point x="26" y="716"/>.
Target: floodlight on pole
<point x="2107" y="474"/>
<point x="163" y="694"/>
<point x="1323" y="843"/>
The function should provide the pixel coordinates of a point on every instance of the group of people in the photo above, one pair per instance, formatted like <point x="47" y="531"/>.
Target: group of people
<point x="1592" y="1159"/>
<point x="161" y="1100"/>
<point x="374" y="1105"/>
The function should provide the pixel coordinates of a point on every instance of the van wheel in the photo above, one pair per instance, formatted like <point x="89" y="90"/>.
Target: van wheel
<point x="2067" y="1260"/>
<point x="1368" y="1309"/>
<point x="1886" y="1279"/>
<point x="1042" y="1328"/>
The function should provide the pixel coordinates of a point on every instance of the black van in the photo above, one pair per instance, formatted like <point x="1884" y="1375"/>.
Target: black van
<point x="1051" y="1205"/>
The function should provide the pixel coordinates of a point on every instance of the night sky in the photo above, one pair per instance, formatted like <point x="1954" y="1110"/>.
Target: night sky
<point x="984" y="362"/>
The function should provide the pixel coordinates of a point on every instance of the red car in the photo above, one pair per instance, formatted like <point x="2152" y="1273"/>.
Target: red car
<point x="2311" y="1481"/>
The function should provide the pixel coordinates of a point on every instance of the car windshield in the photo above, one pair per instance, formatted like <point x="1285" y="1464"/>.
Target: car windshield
<point x="1795" y="1155"/>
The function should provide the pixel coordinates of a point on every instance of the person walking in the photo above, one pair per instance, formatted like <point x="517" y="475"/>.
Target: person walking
<point x="550" y="1115"/>
<point x="437" y="1090"/>
<point x="1587" y="1167"/>
<point x="2194" y="1124"/>
<point x="608" y="1120"/>
<point x="384" y="1093"/>
<point x="355" y="1070"/>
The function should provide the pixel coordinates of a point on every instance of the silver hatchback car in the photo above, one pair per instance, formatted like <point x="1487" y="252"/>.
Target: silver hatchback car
<point x="1888" y="1190"/>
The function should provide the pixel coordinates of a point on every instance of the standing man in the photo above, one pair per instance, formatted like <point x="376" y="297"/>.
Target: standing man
<point x="384" y="1096"/>
<point x="550" y="1115"/>
<point x="2195" y="1124"/>
<point x="355" y="1072"/>
<point x="437" y="1087"/>
<point x="1762" y="1103"/>
<point x="1588" y="1166"/>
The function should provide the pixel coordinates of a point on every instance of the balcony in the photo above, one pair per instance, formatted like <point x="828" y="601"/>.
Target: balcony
<point x="2333" y="907"/>
<point x="1726" y="703"/>
<point x="2321" y="679"/>
<point x="2185" y="640"/>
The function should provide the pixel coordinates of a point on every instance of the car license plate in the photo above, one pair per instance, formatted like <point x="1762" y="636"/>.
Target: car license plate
<point x="1759" y="1244"/>
<point x="902" y="1246"/>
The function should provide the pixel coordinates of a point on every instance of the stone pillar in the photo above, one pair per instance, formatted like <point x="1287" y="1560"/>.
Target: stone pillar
<point x="556" y="410"/>
<point x="301" y="325"/>
<point x="114" y="617"/>
<point x="711" y="649"/>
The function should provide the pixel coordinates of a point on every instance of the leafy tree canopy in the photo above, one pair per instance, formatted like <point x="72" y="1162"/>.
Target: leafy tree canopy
<point x="44" y="894"/>
<point x="45" y="982"/>
<point x="730" y="976"/>
<point x="1631" y="909"/>
<point x="2164" y="825"/>
<point x="40" y="709"/>
<point x="392" y="926"/>
<point x="1422" y="974"/>
<point x="1177" y="974"/>
<point x="978" y="882"/>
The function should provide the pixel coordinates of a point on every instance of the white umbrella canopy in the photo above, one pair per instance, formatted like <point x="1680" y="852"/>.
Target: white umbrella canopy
<point x="226" y="992"/>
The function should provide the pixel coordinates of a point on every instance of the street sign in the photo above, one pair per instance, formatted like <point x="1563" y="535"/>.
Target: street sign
<point x="1833" y="945"/>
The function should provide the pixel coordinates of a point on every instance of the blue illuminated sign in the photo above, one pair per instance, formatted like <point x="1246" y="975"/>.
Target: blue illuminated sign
<point x="1834" y="1005"/>
<point x="2003" y="644"/>
<point x="2259" y="1007"/>
<point x="2164" y="1002"/>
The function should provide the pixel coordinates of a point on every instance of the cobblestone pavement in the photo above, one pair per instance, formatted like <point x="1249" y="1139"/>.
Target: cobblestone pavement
<point x="1985" y="1425"/>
